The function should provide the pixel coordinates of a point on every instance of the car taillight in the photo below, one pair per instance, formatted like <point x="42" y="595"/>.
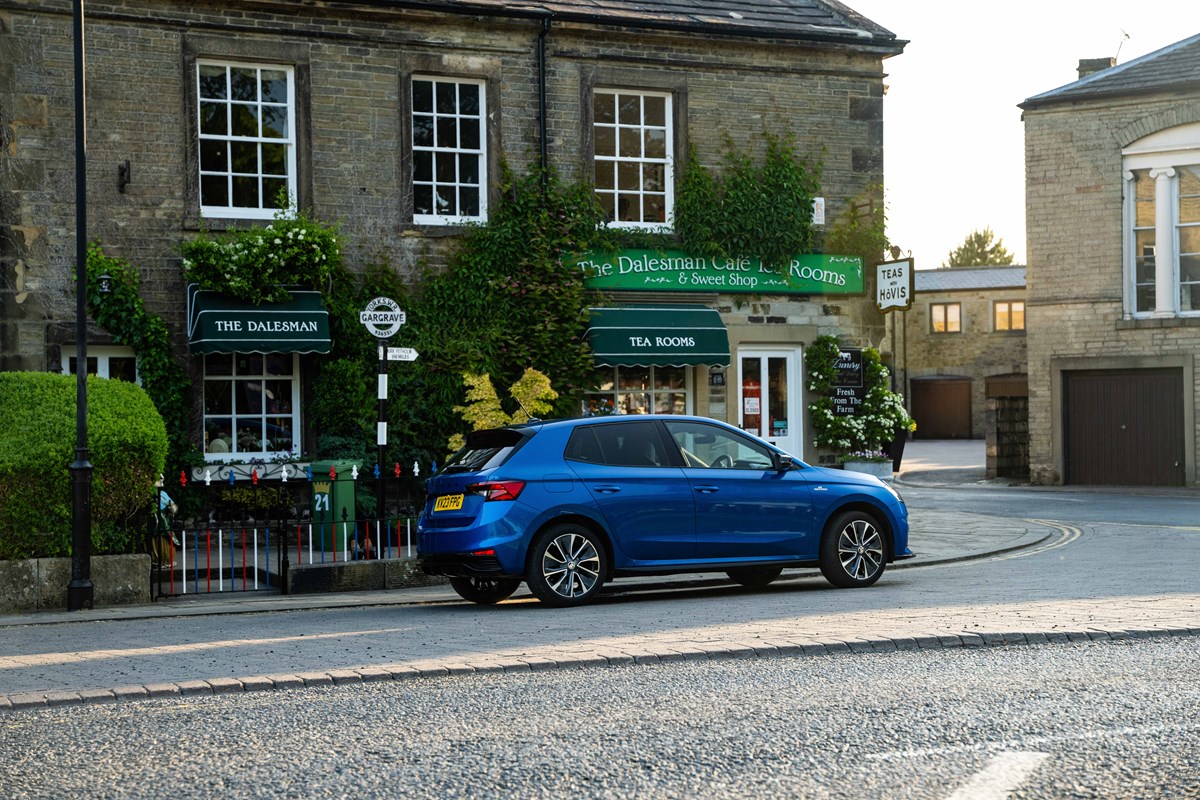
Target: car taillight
<point x="497" y="490"/>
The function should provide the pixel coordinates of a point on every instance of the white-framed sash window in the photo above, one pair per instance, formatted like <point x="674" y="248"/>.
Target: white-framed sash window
<point x="246" y="129"/>
<point x="449" y="150"/>
<point x="634" y="157"/>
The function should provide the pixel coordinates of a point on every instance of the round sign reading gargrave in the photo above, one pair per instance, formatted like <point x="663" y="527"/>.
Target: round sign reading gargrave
<point x="382" y="317"/>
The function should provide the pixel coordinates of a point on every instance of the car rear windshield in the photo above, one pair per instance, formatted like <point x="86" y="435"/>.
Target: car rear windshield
<point x="485" y="450"/>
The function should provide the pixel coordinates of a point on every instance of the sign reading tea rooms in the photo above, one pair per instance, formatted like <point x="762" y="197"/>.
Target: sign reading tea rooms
<point x="675" y="271"/>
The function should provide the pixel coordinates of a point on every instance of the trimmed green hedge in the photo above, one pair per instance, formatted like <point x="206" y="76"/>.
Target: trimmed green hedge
<point x="127" y="449"/>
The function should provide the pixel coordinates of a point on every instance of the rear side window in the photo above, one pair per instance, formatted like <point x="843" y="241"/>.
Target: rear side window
<point x="485" y="450"/>
<point x="625" y="444"/>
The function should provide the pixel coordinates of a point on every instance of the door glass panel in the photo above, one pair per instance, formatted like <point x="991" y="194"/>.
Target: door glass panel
<point x="752" y="395"/>
<point x="777" y="378"/>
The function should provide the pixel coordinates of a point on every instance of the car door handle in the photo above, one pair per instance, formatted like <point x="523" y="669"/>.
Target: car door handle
<point x="707" y="489"/>
<point x="605" y="489"/>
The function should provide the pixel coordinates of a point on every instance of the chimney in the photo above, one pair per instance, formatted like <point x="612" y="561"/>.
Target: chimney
<point x="1090" y="66"/>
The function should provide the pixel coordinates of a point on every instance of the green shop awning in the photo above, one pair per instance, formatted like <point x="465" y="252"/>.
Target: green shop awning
<point x="218" y="323"/>
<point x="658" y="335"/>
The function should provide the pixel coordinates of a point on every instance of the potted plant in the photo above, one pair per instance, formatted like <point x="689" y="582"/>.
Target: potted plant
<point x="861" y="437"/>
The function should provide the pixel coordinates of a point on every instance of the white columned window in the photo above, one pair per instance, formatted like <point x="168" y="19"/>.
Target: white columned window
<point x="1165" y="295"/>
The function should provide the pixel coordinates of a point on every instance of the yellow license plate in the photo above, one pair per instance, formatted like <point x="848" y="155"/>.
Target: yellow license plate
<point x="448" y="502"/>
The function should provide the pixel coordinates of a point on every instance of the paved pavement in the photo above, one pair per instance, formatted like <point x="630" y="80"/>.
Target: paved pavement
<point x="941" y="538"/>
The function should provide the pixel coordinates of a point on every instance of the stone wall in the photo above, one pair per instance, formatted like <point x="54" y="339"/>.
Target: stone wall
<point x="41" y="584"/>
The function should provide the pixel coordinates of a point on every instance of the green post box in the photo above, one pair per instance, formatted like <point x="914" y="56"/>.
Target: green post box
<point x="329" y="497"/>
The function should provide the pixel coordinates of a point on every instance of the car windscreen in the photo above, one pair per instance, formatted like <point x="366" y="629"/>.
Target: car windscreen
<point x="485" y="450"/>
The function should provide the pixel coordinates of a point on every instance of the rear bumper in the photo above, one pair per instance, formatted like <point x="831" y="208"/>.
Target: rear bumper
<point x="464" y="565"/>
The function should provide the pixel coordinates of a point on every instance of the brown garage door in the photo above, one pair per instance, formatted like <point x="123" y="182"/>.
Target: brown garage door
<point x="942" y="407"/>
<point x="1123" y="427"/>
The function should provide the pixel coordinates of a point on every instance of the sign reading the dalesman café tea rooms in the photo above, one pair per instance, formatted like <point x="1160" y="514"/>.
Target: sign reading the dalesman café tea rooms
<point x="675" y="271"/>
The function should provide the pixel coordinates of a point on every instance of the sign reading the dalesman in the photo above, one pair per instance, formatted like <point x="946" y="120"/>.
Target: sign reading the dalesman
<point x="675" y="271"/>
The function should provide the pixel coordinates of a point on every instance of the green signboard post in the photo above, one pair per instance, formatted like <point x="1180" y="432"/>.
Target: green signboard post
<point x="676" y="271"/>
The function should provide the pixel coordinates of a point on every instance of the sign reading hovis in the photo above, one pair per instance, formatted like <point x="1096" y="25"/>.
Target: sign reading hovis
<point x="675" y="271"/>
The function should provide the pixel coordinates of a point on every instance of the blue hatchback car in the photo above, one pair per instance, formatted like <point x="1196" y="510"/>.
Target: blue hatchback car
<point x="566" y="505"/>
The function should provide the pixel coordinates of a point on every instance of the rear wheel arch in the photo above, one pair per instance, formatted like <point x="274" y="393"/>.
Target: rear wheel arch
<point x="575" y="519"/>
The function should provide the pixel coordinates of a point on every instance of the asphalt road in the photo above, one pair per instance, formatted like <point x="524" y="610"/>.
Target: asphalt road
<point x="1080" y="720"/>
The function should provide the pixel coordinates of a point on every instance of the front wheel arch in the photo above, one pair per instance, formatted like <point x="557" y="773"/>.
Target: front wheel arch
<point x="881" y="519"/>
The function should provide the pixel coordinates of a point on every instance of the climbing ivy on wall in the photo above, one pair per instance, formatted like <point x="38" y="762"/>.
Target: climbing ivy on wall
<point x="749" y="207"/>
<point x="123" y="314"/>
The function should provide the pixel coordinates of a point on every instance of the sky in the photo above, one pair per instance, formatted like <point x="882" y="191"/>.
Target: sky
<point x="954" y="144"/>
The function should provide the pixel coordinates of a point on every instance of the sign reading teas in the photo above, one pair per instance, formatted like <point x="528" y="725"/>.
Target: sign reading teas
<point x="676" y="271"/>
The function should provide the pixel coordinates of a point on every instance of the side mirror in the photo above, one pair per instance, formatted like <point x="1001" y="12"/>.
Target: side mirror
<point x="780" y="462"/>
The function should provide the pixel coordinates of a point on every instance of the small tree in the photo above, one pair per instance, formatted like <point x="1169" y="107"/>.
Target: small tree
<point x="979" y="250"/>
<point x="532" y="393"/>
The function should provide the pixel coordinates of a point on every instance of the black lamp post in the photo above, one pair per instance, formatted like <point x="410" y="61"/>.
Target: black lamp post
<point x="80" y="590"/>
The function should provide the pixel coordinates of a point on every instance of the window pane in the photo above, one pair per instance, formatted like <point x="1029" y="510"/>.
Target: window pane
<point x="656" y="144"/>
<point x="606" y="141"/>
<point x="422" y="199"/>
<point x="447" y="132"/>
<point x="605" y="379"/>
<point x="218" y="435"/>
<point x="605" y="175"/>
<point x="218" y="364"/>
<point x="274" y="160"/>
<point x="422" y="131"/>
<point x="122" y="368"/>
<point x="468" y="131"/>
<point x="937" y="318"/>
<point x="248" y="397"/>
<point x="279" y="434"/>
<point x="654" y="177"/>
<point x="446" y="201"/>
<point x="1189" y="240"/>
<point x="629" y="109"/>
<point x="249" y="435"/>
<point x="214" y="119"/>
<point x="630" y="142"/>
<point x="604" y="108"/>
<point x="275" y="193"/>
<point x="634" y="378"/>
<point x="1002" y="318"/>
<point x="218" y="397"/>
<point x="245" y="157"/>
<point x="245" y="120"/>
<point x="629" y="175"/>
<point x="422" y="96"/>
<point x="468" y="170"/>
<point x="446" y="167"/>
<point x="468" y="99"/>
<point x="214" y="190"/>
<point x="214" y="156"/>
<point x="1143" y="193"/>
<point x="244" y="82"/>
<point x="655" y="110"/>
<point x="670" y="377"/>
<point x="212" y="82"/>
<point x="670" y="403"/>
<point x="423" y="166"/>
<point x="274" y="86"/>
<point x="608" y="203"/>
<point x="654" y="208"/>
<point x="629" y="207"/>
<point x="953" y="317"/>
<point x="446" y="98"/>
<point x="1018" y="316"/>
<point x="468" y="202"/>
<point x="274" y="121"/>
<point x="245" y="193"/>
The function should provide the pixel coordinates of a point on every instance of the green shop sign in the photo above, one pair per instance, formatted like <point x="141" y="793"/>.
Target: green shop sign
<point x="675" y="271"/>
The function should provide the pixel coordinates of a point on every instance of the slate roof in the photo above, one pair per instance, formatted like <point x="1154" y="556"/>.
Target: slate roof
<point x="815" y="20"/>
<point x="1176" y="66"/>
<point x="956" y="279"/>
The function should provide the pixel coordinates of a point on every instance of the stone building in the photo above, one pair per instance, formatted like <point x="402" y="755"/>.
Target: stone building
<point x="960" y="350"/>
<point x="1113" y="210"/>
<point x="393" y="118"/>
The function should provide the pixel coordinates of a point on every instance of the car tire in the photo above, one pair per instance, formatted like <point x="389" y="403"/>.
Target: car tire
<point x="852" y="550"/>
<point x="567" y="565"/>
<point x="754" y="577"/>
<point x="484" y="591"/>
